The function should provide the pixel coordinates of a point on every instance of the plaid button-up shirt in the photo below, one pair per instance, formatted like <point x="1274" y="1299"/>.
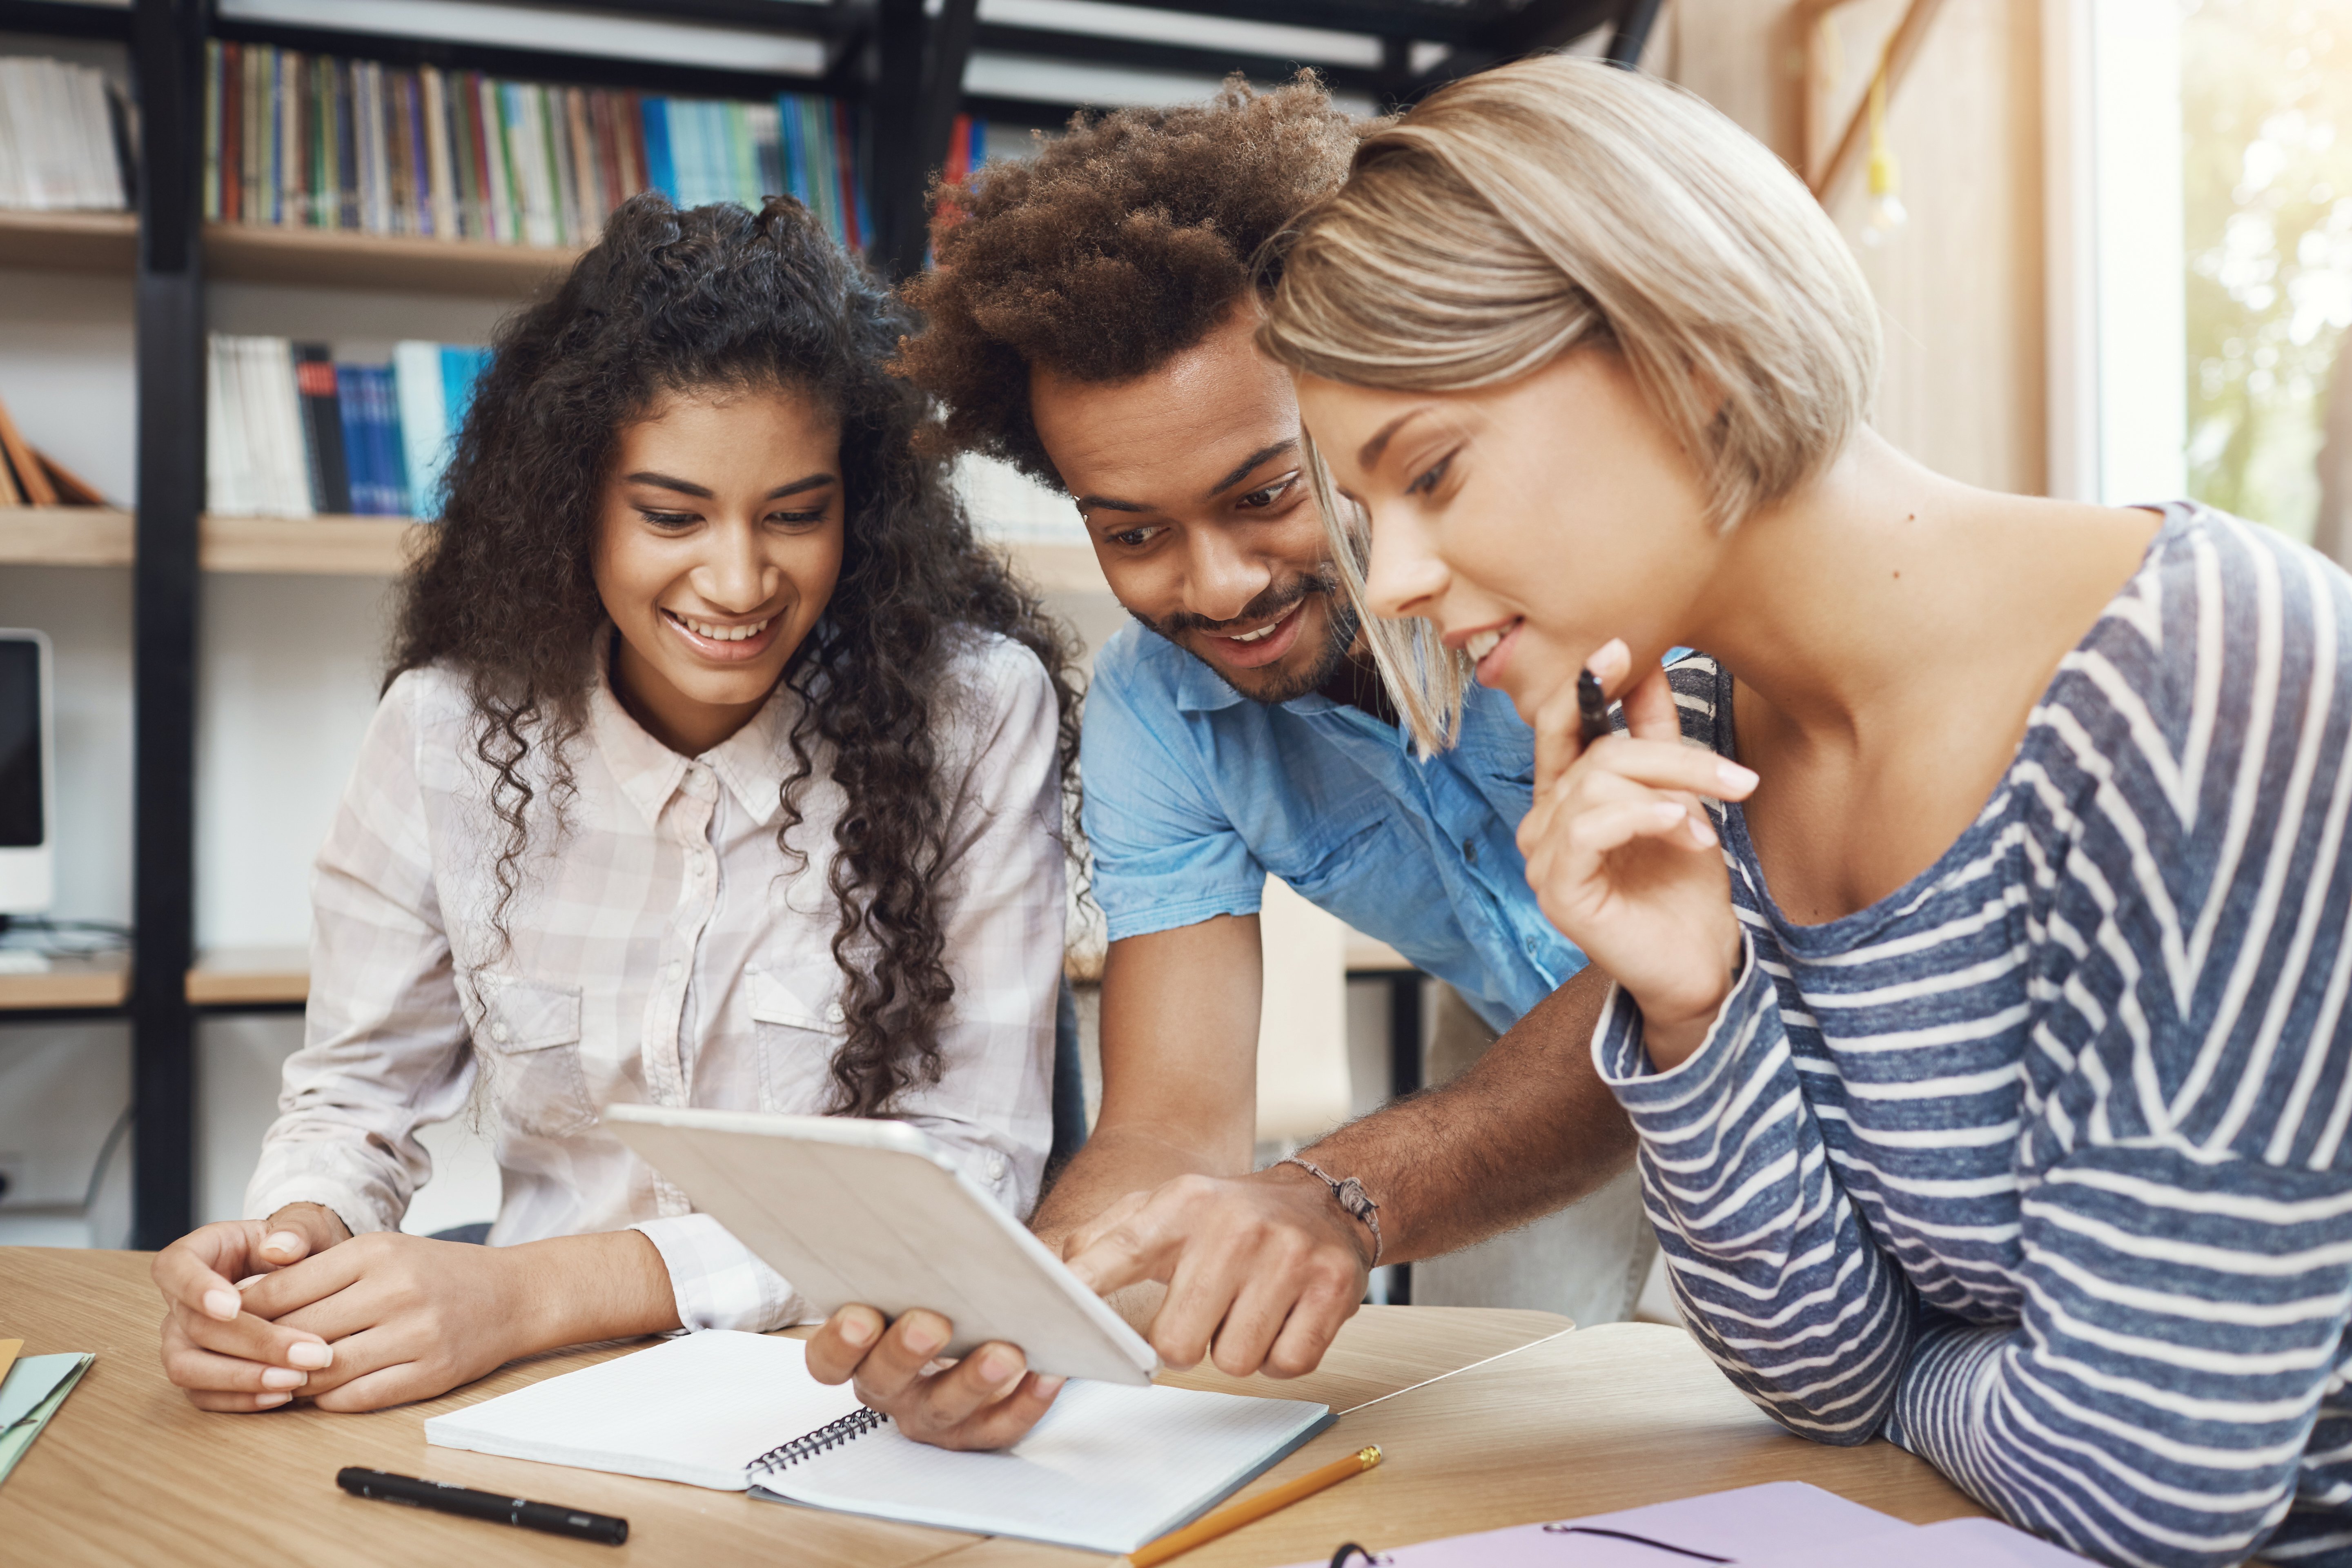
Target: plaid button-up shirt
<point x="663" y="950"/>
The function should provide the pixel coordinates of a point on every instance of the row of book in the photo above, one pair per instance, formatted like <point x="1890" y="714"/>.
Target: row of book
<point x="292" y="433"/>
<point x="312" y="141"/>
<point x="64" y="137"/>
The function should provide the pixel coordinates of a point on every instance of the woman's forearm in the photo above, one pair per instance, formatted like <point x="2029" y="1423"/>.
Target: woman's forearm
<point x="573" y="1289"/>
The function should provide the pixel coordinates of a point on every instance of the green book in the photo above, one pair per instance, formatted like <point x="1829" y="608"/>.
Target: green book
<point x="36" y="1386"/>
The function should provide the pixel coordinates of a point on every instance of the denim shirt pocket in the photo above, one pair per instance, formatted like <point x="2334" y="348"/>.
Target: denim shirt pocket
<point x="797" y="1028"/>
<point x="529" y="1038"/>
<point x="1348" y="875"/>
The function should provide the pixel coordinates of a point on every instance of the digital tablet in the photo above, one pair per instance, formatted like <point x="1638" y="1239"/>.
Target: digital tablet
<point x="875" y="1212"/>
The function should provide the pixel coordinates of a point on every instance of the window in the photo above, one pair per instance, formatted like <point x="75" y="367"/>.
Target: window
<point x="2266" y="101"/>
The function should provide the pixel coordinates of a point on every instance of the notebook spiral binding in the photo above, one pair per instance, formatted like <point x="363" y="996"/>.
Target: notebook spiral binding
<point x="833" y="1435"/>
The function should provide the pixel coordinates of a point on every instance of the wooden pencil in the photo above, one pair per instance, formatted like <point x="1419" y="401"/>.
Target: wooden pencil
<point x="1234" y="1515"/>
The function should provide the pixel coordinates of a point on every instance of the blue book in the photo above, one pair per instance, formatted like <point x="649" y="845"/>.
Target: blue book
<point x="689" y="134"/>
<point x="461" y="371"/>
<point x="388" y="443"/>
<point x="704" y="169"/>
<point x="372" y="433"/>
<point x="718" y="147"/>
<point x="359" y="452"/>
<point x="660" y="169"/>
<point x="796" y="174"/>
<point x="686" y="164"/>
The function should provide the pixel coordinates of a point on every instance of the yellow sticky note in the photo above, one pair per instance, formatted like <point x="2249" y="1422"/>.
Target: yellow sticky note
<point x="8" y="1348"/>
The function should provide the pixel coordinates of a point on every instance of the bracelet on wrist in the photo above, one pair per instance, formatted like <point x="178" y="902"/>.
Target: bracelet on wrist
<point x="1351" y="1195"/>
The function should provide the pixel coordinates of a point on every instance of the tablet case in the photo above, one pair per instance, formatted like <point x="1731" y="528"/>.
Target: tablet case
<point x="875" y="1211"/>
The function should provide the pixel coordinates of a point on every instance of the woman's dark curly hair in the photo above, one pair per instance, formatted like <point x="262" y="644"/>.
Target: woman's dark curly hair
<point x="720" y="297"/>
<point x="1118" y="247"/>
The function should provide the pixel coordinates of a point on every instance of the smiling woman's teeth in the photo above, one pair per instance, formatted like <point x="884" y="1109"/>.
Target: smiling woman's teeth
<point x="1481" y="644"/>
<point x="720" y="634"/>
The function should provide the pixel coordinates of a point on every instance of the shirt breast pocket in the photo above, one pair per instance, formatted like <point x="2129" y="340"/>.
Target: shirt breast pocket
<point x="530" y="1040"/>
<point x="797" y="1028"/>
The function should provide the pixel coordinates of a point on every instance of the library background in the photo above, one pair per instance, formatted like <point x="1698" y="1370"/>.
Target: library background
<point x="250" y="252"/>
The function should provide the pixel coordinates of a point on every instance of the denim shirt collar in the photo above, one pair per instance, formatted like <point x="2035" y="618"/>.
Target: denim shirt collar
<point x="1200" y="690"/>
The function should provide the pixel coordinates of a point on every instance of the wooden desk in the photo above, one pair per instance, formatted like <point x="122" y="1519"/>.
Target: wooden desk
<point x="128" y="1472"/>
<point x="100" y="980"/>
<point x="1608" y="1418"/>
<point x="240" y="976"/>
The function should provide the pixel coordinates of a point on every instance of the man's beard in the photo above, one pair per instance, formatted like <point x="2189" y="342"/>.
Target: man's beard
<point x="1277" y="600"/>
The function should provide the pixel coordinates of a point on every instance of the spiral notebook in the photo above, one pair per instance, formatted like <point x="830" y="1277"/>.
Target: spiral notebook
<point x="1109" y="1469"/>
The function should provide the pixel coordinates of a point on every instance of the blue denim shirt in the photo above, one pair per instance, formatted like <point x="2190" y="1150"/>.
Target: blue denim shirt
<point x="1194" y="793"/>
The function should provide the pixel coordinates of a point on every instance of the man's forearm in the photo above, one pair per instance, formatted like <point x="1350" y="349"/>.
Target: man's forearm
<point x="1117" y="1161"/>
<point x="1527" y="1129"/>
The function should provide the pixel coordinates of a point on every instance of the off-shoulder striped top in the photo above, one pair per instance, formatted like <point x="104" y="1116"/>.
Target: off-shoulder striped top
<point x="2039" y="1166"/>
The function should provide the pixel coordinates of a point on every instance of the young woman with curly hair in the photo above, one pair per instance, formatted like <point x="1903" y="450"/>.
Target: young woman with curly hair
<point x="718" y="765"/>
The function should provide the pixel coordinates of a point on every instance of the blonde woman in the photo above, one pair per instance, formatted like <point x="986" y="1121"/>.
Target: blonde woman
<point x="1981" y="972"/>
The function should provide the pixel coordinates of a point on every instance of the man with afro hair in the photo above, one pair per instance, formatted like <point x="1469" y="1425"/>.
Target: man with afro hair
<point x="1089" y="322"/>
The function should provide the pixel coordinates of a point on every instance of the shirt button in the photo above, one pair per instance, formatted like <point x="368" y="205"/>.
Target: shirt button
<point x="675" y="969"/>
<point x="833" y="1015"/>
<point x="499" y="1032"/>
<point x="1470" y="850"/>
<point x="1531" y="947"/>
<point x="996" y="1167"/>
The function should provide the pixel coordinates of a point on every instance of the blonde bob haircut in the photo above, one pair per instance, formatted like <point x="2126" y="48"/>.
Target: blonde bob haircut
<point x="1559" y="204"/>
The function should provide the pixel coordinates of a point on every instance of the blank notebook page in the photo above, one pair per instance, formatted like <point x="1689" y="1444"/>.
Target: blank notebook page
<point x="1106" y="1469"/>
<point x="696" y="1409"/>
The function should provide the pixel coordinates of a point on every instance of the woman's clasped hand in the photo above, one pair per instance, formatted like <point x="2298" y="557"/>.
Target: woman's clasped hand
<point x="1624" y="857"/>
<point x="263" y="1312"/>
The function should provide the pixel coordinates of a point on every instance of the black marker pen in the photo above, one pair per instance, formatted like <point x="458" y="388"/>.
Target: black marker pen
<point x="1591" y="707"/>
<point x="446" y="1497"/>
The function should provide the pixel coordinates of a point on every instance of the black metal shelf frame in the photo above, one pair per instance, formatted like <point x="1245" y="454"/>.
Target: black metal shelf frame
<point x="906" y="68"/>
<point x="58" y="18"/>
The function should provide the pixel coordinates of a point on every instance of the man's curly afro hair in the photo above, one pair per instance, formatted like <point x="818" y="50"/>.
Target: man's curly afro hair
<point x="1118" y="247"/>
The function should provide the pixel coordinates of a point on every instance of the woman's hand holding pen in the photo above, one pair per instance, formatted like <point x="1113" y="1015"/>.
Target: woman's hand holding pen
<point x="1625" y="860"/>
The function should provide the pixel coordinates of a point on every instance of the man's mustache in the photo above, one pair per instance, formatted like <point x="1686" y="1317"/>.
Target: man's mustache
<point x="1278" y="599"/>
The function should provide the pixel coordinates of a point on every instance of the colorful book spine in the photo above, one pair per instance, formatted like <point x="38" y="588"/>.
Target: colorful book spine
<point x="314" y="141"/>
<point x="350" y="404"/>
<point x="322" y="429"/>
<point x="213" y="122"/>
<point x="423" y="401"/>
<point x="661" y="172"/>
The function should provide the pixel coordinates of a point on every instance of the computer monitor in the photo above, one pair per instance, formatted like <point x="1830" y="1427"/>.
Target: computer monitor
<point x="28" y="775"/>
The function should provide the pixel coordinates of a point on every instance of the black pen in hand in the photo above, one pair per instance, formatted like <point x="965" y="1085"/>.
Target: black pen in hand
<point x="446" y="1497"/>
<point x="1591" y="707"/>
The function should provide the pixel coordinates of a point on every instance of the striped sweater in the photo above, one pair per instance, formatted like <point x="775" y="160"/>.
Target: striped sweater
<point x="2040" y="1166"/>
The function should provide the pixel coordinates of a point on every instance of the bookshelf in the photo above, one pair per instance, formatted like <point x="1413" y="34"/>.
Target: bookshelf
<point x="65" y="536"/>
<point x="359" y="546"/>
<point x="107" y="244"/>
<point x="249" y="253"/>
<point x="308" y="546"/>
<point x="902" y="63"/>
<point x="68" y="242"/>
